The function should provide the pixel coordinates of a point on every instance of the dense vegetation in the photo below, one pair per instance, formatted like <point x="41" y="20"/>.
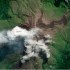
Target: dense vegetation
<point x="12" y="13"/>
<point x="60" y="50"/>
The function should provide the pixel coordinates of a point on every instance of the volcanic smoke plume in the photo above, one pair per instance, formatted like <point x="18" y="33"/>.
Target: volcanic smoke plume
<point x="29" y="43"/>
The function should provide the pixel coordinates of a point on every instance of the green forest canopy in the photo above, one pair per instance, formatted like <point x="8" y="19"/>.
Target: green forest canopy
<point x="11" y="15"/>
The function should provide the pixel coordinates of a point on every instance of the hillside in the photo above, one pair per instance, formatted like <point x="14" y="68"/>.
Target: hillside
<point x="52" y="17"/>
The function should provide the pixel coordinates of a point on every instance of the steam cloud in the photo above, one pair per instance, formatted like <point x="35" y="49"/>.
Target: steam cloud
<point x="27" y="42"/>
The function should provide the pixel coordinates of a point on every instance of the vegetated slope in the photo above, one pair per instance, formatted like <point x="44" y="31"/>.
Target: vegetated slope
<point x="62" y="47"/>
<point x="16" y="14"/>
<point x="13" y="12"/>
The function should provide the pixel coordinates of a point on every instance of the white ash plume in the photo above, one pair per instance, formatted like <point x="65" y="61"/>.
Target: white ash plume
<point x="33" y="49"/>
<point x="28" y="41"/>
<point x="18" y="31"/>
<point x="3" y="37"/>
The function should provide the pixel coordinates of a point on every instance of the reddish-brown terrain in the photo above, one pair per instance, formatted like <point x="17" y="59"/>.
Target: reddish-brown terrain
<point x="48" y="26"/>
